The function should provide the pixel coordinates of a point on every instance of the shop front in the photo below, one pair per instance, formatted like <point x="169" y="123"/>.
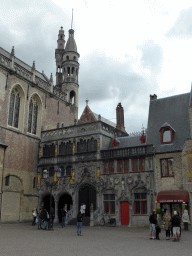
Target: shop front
<point x="173" y="200"/>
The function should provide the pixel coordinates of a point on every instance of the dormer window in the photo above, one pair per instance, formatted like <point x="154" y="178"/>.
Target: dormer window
<point x="114" y="143"/>
<point x="166" y="135"/>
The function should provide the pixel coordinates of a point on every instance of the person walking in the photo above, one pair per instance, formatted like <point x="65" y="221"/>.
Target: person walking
<point x="176" y="223"/>
<point x="34" y="214"/>
<point x="153" y="222"/>
<point x="185" y="219"/>
<point x="63" y="215"/>
<point x="45" y="218"/>
<point x="79" y="223"/>
<point x="40" y="219"/>
<point x="166" y="220"/>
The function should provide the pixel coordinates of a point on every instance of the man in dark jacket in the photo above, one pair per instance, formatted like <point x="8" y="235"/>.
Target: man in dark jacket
<point x="176" y="223"/>
<point x="153" y="222"/>
<point x="40" y="218"/>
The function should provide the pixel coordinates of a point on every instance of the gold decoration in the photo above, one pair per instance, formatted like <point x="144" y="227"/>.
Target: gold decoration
<point x="58" y="182"/>
<point x="38" y="178"/>
<point x="39" y="152"/>
<point x="98" y="173"/>
<point x="72" y="176"/>
<point x="55" y="150"/>
<point x="73" y="147"/>
<point x="54" y="177"/>
<point x="41" y="183"/>
<point x="98" y="144"/>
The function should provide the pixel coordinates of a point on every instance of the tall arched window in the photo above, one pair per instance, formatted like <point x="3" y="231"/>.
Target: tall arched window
<point x="33" y="113"/>
<point x="14" y="106"/>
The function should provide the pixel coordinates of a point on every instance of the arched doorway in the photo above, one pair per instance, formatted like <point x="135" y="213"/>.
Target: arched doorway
<point x="65" y="199"/>
<point x="46" y="202"/>
<point x="87" y="196"/>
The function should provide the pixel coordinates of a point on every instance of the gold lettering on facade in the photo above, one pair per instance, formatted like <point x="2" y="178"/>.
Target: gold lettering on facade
<point x="39" y="152"/>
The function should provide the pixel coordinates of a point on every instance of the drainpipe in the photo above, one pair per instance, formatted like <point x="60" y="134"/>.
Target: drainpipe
<point x="2" y="180"/>
<point x="155" y="189"/>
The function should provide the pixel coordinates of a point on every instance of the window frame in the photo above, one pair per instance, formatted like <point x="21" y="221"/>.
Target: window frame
<point x="137" y="164"/>
<point x="167" y="163"/>
<point x="141" y="204"/>
<point x="109" y="162"/>
<point x="110" y="203"/>
<point x="162" y="130"/>
<point x="120" y="160"/>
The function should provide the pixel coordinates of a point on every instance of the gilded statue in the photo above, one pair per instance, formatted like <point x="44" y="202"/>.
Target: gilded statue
<point x="73" y="147"/>
<point x="55" y="150"/>
<point x="98" y="144"/>
<point x="39" y="152"/>
<point x="38" y="178"/>
<point x="72" y="176"/>
<point x="98" y="173"/>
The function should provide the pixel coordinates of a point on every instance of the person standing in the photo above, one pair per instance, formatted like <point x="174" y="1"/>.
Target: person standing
<point x="153" y="222"/>
<point x="63" y="215"/>
<point x="176" y="222"/>
<point x="79" y="223"/>
<point x="185" y="219"/>
<point x="40" y="219"/>
<point x="166" y="220"/>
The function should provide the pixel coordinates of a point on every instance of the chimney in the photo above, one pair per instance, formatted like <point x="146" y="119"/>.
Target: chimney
<point x="120" y="117"/>
<point x="153" y="97"/>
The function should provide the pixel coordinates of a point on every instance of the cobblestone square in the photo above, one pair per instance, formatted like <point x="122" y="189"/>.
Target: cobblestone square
<point x="26" y="240"/>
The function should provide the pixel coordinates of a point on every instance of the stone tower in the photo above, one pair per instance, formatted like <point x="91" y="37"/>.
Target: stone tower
<point x="120" y="117"/>
<point x="68" y="68"/>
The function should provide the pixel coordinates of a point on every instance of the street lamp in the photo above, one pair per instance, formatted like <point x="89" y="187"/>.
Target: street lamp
<point x="51" y="183"/>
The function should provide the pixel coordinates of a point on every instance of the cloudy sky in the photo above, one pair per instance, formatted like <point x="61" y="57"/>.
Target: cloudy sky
<point x="128" y="49"/>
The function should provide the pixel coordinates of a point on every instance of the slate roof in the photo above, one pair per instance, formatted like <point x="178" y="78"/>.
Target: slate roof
<point x="174" y="111"/>
<point x="105" y="120"/>
<point x="22" y="64"/>
<point x="128" y="141"/>
<point x="71" y="44"/>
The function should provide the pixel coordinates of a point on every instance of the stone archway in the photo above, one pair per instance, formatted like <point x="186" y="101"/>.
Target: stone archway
<point x="64" y="200"/>
<point x="87" y="196"/>
<point x="47" y="202"/>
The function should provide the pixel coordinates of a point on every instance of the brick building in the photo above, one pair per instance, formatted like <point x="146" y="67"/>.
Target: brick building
<point x="30" y="103"/>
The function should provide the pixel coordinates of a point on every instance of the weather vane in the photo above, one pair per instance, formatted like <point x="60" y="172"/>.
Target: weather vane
<point x="72" y="19"/>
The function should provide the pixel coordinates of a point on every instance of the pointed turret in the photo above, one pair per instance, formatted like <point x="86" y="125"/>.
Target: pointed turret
<point x="71" y="44"/>
<point x="59" y="56"/>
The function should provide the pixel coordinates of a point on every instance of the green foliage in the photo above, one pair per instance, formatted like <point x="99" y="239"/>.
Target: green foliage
<point x="158" y="210"/>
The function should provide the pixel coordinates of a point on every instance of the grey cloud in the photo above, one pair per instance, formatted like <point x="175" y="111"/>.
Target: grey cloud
<point x="152" y="55"/>
<point x="183" y="25"/>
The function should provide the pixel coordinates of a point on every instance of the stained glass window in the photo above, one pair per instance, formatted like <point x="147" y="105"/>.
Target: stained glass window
<point x="14" y="105"/>
<point x="33" y="113"/>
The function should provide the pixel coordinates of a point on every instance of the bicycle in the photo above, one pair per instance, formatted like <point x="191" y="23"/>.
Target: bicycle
<point x="108" y="220"/>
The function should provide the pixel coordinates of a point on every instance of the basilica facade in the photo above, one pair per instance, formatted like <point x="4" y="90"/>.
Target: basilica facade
<point x="51" y="158"/>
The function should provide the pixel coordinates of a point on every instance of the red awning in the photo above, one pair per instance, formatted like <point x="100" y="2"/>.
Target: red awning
<point x="173" y="196"/>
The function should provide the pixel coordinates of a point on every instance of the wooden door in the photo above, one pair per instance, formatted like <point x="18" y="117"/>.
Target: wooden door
<point x="124" y="213"/>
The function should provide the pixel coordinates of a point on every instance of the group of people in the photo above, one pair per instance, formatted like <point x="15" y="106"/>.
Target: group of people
<point x="172" y="225"/>
<point x="43" y="217"/>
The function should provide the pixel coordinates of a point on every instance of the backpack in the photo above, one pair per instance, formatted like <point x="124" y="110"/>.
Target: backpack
<point x="185" y="216"/>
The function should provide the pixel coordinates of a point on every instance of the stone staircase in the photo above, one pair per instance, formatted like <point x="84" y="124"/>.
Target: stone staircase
<point x="86" y="221"/>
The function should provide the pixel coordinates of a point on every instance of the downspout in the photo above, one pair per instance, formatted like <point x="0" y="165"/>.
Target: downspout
<point x="155" y="189"/>
<point x="2" y="180"/>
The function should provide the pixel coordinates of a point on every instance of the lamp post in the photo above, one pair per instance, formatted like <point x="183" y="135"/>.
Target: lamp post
<point x="51" y="183"/>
